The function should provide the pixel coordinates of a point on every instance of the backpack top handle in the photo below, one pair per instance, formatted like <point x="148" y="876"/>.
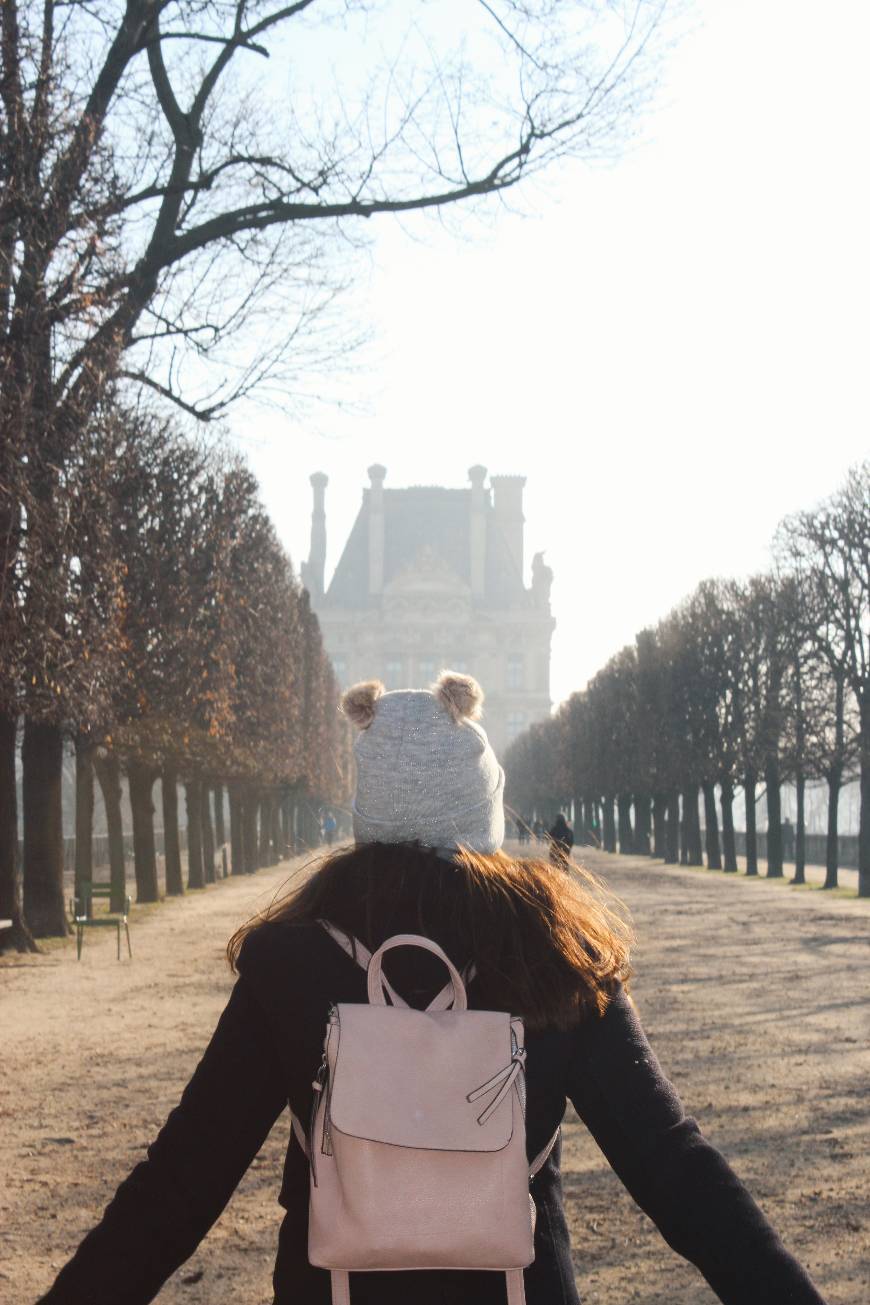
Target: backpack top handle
<point x="377" y="980"/>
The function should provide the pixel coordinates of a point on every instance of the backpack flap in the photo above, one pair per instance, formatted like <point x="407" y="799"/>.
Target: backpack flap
<point x="404" y="1077"/>
<point x="417" y="1142"/>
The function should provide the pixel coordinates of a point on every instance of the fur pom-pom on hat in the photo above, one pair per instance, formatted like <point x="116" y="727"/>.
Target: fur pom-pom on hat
<point x="358" y="702"/>
<point x="460" y="694"/>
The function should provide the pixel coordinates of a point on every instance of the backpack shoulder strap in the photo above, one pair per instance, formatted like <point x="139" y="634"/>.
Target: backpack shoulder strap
<point x="299" y="1133"/>
<point x="541" y="1158"/>
<point x="340" y="1283"/>
<point x="358" y="952"/>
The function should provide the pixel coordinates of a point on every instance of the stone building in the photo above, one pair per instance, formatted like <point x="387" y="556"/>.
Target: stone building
<point x="432" y="578"/>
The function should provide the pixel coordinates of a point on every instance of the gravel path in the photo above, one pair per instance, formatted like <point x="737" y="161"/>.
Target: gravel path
<point x="755" y="996"/>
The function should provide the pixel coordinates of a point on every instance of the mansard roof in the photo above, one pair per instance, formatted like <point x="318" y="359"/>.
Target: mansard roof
<point x="417" y="518"/>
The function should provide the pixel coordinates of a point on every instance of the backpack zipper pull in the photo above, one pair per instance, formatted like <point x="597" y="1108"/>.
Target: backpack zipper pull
<point x="326" y="1145"/>
<point x="317" y="1087"/>
<point x="505" y="1077"/>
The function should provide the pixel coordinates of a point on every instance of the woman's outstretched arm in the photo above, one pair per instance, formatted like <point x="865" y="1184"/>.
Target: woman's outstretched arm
<point x="676" y="1176"/>
<point x="162" y="1211"/>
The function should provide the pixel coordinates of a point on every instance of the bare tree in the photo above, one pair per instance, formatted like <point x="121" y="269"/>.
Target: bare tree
<point x="801" y="663"/>
<point x="758" y="707"/>
<point x="828" y="549"/>
<point x="657" y="744"/>
<point x="532" y="769"/>
<point x="689" y="724"/>
<point x="61" y="657"/>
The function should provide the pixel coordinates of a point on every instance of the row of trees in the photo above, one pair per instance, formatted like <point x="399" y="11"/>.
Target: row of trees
<point x="746" y="685"/>
<point x="157" y="624"/>
<point x="169" y="208"/>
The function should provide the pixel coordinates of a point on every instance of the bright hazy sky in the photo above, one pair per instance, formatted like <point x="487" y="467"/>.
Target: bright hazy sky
<point x="672" y="348"/>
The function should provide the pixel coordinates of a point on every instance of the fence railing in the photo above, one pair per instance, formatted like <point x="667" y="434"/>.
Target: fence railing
<point x="101" y="848"/>
<point x="816" y="848"/>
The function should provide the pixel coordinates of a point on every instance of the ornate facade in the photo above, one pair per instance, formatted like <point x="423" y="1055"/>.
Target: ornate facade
<point x="432" y="578"/>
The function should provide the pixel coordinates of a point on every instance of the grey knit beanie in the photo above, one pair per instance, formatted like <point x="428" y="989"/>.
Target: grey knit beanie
<point x="425" y="768"/>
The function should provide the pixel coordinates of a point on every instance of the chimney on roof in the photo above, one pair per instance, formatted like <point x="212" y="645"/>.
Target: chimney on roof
<point x="508" y="509"/>
<point x="377" y="474"/>
<point x="313" y="571"/>
<point x="477" y="475"/>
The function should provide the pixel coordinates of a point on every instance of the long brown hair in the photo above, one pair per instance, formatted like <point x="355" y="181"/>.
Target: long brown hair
<point x="548" y="942"/>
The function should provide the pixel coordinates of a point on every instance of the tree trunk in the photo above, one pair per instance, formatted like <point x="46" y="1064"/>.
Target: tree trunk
<point x="237" y="855"/>
<point x="729" y="846"/>
<point x="693" y="825"/>
<point x="626" y="836"/>
<point x="800" y="725"/>
<point x="292" y="823"/>
<point x="285" y="825"/>
<point x="585" y="822"/>
<point x="313" y="818"/>
<point x="220" y="833"/>
<point x="711" y="827"/>
<point x="108" y="772"/>
<point x="774" y="819"/>
<point x="207" y="834"/>
<point x="750" y="781"/>
<point x="672" y="828"/>
<point x="660" y="807"/>
<point x="42" y="767"/>
<point x="579" y="825"/>
<point x="193" y="806"/>
<point x="263" y="852"/>
<point x="641" y="824"/>
<point x="609" y="825"/>
<point x="249" y="831"/>
<point x="141" y="780"/>
<point x="684" y="829"/>
<point x="832" y="842"/>
<point x="84" y="866"/>
<point x="800" y="837"/>
<point x="598" y="820"/>
<point x="171" y="841"/>
<point x="277" y="846"/>
<point x="11" y="904"/>
<point x="864" y="819"/>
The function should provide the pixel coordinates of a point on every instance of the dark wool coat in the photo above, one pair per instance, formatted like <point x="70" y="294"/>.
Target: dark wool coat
<point x="265" y="1051"/>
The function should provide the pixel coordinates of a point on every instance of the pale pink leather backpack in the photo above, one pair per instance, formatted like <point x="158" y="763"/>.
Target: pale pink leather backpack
<point x="417" y="1144"/>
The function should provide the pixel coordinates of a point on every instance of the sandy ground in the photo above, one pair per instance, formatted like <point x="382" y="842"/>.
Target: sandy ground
<point x="754" y="994"/>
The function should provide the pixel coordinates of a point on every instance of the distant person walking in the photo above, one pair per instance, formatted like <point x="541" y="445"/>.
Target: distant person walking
<point x="330" y="825"/>
<point x="561" y="838"/>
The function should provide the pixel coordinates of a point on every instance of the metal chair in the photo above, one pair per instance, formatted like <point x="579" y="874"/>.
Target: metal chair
<point x="83" y="918"/>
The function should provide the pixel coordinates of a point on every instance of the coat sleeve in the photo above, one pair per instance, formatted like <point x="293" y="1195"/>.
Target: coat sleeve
<point x="675" y="1175"/>
<point x="163" y="1209"/>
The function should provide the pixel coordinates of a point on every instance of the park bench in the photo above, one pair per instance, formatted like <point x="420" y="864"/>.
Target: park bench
<point x="83" y="918"/>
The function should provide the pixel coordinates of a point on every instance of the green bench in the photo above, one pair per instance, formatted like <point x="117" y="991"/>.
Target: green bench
<point x="81" y="915"/>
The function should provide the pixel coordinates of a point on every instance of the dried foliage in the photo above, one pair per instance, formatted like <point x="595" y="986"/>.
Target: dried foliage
<point x="223" y="674"/>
